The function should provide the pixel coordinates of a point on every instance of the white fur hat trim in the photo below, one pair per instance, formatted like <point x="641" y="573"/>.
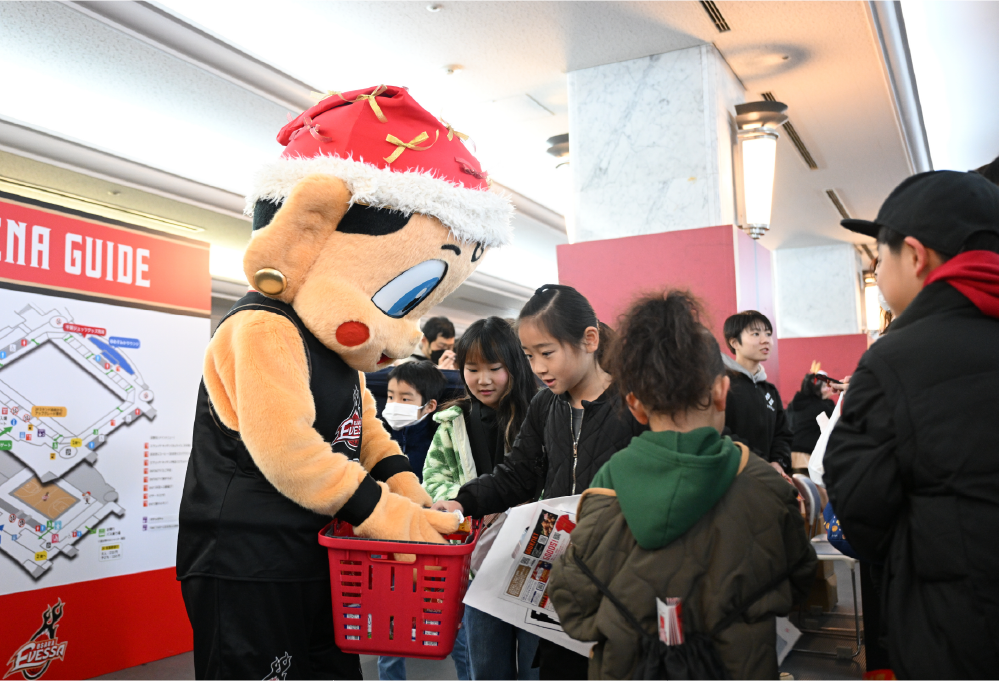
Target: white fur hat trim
<point x="472" y="215"/>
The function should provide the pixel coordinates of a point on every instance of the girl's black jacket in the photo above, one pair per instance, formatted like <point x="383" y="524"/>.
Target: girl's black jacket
<point x="542" y="463"/>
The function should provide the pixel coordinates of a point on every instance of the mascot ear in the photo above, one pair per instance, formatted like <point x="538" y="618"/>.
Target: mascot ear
<point x="281" y="254"/>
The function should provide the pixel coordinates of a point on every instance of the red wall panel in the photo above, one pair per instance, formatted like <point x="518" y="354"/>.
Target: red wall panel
<point x="838" y="356"/>
<point x="612" y="272"/>
<point x="107" y="624"/>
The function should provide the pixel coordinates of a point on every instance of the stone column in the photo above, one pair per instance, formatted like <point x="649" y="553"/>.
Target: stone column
<point x="651" y="144"/>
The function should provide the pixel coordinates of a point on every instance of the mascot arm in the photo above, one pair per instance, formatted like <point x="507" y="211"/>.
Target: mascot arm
<point x="381" y="456"/>
<point x="257" y="377"/>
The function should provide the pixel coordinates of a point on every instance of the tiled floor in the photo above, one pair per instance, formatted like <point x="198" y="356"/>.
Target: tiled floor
<point x="799" y="665"/>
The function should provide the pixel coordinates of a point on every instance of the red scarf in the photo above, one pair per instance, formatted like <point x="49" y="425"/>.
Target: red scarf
<point x="976" y="275"/>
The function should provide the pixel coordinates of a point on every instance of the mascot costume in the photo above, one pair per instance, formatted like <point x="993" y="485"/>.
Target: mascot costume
<point x="373" y="214"/>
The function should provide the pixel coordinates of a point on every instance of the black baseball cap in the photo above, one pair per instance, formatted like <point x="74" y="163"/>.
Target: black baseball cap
<point x="942" y="209"/>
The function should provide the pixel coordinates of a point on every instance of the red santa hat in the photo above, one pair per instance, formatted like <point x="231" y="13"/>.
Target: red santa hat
<point x="391" y="153"/>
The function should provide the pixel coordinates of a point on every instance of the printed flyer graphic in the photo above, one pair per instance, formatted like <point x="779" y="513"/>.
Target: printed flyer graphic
<point x="528" y="579"/>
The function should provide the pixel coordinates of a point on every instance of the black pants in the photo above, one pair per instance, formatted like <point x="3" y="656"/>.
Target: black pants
<point x="264" y="630"/>
<point x="556" y="662"/>
<point x="876" y="656"/>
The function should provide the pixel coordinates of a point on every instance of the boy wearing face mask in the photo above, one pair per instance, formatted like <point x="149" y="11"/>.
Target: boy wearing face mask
<point x="414" y="391"/>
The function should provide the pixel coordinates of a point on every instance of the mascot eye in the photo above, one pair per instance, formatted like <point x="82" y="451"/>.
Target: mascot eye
<point x="409" y="289"/>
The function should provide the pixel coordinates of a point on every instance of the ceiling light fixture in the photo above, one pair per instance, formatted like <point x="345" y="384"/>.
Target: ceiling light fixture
<point x="434" y="8"/>
<point x="757" y="130"/>
<point x="558" y="145"/>
<point x="453" y="69"/>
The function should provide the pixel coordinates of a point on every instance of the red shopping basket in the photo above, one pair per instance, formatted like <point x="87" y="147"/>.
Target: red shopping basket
<point x="384" y="606"/>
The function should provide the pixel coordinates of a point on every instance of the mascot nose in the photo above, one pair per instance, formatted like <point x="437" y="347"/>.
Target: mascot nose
<point x="352" y="333"/>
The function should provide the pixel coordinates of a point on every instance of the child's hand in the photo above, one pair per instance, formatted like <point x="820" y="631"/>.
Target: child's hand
<point x="447" y="506"/>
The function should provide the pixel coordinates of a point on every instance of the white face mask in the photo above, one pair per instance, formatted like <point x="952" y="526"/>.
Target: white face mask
<point x="883" y="302"/>
<point x="400" y="415"/>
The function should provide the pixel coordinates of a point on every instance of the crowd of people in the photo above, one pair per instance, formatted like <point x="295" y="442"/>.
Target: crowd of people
<point x="683" y="451"/>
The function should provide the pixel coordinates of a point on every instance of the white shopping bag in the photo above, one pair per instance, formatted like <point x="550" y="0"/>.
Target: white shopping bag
<point x="826" y="426"/>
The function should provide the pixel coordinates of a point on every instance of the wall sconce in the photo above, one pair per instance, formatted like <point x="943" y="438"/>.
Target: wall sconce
<point x="757" y="126"/>
<point x="559" y="147"/>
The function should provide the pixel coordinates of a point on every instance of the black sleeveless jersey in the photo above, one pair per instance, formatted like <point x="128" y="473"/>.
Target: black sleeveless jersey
<point x="233" y="522"/>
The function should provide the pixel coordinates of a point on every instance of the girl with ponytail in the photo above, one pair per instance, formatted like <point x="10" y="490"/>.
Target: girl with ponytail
<point x="570" y="431"/>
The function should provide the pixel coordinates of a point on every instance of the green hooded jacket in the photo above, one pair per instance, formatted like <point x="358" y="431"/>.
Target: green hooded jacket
<point x="667" y="481"/>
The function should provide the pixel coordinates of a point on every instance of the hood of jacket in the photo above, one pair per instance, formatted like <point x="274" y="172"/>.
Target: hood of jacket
<point x="667" y="481"/>
<point x="733" y="365"/>
<point x="447" y="415"/>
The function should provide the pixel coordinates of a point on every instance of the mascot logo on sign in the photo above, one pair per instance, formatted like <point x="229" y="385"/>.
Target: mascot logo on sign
<point x="34" y="657"/>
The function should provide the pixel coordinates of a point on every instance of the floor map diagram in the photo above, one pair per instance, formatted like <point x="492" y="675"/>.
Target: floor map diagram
<point x="65" y="389"/>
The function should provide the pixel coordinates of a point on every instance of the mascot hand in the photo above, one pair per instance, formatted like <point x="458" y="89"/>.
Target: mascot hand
<point x="396" y="517"/>
<point x="406" y="485"/>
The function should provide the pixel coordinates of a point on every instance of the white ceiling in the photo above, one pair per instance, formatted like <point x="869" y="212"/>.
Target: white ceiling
<point x="80" y="79"/>
<point x="954" y="47"/>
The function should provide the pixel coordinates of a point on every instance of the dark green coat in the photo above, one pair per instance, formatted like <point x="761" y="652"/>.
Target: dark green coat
<point x="752" y="535"/>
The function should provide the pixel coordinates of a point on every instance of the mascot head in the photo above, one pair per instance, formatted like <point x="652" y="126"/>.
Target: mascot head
<point x="375" y="212"/>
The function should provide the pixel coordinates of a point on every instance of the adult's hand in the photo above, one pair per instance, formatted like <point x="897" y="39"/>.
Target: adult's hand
<point x="842" y="386"/>
<point x="447" y="506"/>
<point x="447" y="361"/>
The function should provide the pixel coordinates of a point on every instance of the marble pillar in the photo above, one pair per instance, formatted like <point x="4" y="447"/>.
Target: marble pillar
<point x="818" y="291"/>
<point x="651" y="144"/>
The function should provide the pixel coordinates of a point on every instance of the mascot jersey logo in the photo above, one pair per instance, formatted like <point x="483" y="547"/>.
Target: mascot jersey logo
<point x="34" y="657"/>
<point x="279" y="668"/>
<point x="349" y="431"/>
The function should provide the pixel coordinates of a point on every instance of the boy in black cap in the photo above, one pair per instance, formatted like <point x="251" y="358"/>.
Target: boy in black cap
<point x="911" y="467"/>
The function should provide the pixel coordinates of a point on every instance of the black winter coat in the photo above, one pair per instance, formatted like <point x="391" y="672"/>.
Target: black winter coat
<point x="543" y="461"/>
<point x="911" y="469"/>
<point x="754" y="414"/>
<point x="804" y="408"/>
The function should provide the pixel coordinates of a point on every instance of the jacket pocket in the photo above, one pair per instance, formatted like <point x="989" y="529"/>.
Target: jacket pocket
<point x="936" y="539"/>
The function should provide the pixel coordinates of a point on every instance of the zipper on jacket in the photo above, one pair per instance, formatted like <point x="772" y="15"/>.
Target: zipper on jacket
<point x="576" y="441"/>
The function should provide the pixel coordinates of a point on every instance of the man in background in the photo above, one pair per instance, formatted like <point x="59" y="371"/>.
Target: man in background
<point x="436" y="344"/>
<point x="754" y="413"/>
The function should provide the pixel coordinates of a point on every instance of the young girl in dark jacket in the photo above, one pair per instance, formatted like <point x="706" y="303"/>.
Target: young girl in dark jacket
<point x="570" y="431"/>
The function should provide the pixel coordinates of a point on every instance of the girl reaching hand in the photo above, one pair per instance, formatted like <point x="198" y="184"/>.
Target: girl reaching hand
<point x="570" y="430"/>
<point x="474" y="434"/>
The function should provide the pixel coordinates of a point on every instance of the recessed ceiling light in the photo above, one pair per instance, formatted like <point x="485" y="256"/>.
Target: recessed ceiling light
<point x="434" y="8"/>
<point x="453" y="69"/>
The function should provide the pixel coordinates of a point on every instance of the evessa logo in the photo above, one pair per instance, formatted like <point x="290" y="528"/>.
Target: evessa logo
<point x="34" y="657"/>
<point x="349" y="431"/>
<point x="279" y="668"/>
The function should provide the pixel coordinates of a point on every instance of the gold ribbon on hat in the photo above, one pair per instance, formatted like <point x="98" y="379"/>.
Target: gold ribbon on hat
<point x="401" y="146"/>
<point x="370" y="98"/>
<point x="452" y="132"/>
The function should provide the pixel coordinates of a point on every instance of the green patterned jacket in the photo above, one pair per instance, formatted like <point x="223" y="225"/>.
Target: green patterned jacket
<point x="449" y="463"/>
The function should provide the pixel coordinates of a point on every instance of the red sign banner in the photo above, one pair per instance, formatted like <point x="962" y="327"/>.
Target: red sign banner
<point x="85" y="330"/>
<point x="50" y="249"/>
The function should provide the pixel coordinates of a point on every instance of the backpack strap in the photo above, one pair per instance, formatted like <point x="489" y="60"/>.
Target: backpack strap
<point x="626" y="613"/>
<point x="716" y="630"/>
